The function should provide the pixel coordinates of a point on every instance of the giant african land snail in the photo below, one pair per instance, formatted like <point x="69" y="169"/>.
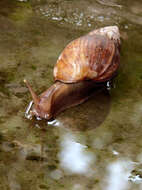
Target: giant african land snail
<point x="86" y="62"/>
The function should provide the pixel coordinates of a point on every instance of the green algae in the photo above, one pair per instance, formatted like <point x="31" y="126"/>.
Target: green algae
<point x="22" y="12"/>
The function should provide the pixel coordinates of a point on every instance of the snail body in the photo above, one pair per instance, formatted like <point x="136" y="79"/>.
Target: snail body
<point x="84" y="65"/>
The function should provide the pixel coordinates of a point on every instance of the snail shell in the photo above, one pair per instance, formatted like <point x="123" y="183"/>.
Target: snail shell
<point x="94" y="56"/>
<point x="84" y="63"/>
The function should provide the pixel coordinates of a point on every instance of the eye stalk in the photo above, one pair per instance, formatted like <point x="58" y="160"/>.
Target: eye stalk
<point x="36" y="99"/>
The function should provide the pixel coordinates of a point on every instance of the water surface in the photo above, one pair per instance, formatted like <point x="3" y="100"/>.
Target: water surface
<point x="94" y="146"/>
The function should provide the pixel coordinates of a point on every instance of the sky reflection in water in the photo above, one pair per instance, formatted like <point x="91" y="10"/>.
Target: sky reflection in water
<point x="32" y="35"/>
<point x="118" y="173"/>
<point x="74" y="156"/>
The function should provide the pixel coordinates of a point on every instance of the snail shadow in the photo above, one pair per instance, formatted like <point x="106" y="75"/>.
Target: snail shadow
<point x="88" y="115"/>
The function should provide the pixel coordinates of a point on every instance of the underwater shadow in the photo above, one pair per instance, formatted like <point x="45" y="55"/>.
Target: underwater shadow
<point x="89" y="115"/>
<point x="86" y="116"/>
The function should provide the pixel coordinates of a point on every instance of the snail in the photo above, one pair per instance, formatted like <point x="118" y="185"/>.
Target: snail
<point x="86" y="63"/>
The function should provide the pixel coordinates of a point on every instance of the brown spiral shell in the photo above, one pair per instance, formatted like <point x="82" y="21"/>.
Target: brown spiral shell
<point x="92" y="56"/>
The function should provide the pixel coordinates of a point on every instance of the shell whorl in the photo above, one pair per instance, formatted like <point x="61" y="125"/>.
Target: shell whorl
<point x="112" y="32"/>
<point x="94" y="56"/>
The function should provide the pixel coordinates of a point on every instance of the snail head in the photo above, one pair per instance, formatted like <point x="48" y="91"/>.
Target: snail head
<point x="42" y="104"/>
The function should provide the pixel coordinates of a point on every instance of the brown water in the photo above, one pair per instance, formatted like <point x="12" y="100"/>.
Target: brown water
<point x="94" y="146"/>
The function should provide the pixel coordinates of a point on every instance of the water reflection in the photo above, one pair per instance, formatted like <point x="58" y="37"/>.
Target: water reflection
<point x="136" y="179"/>
<point x="56" y="174"/>
<point x="112" y="3"/>
<point x="118" y="173"/>
<point x="115" y="152"/>
<point x="54" y="122"/>
<point x="77" y="187"/>
<point x="74" y="156"/>
<point x="89" y="115"/>
<point x="32" y="35"/>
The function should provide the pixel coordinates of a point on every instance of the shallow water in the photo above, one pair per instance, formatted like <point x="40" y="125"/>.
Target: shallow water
<point x="94" y="146"/>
